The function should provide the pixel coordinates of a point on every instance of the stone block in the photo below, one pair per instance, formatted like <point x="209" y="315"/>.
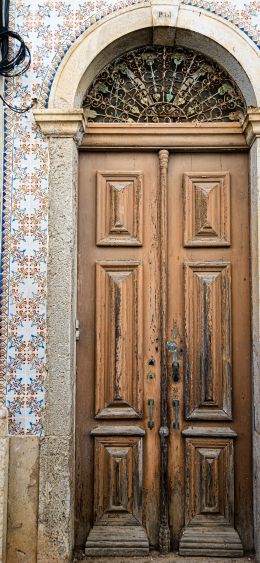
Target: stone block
<point x="56" y="500"/>
<point x="23" y="499"/>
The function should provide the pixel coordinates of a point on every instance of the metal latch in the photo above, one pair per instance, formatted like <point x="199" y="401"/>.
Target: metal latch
<point x="151" y="421"/>
<point x="77" y="330"/>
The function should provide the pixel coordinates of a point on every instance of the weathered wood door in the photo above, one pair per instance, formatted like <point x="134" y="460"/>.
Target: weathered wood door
<point x="149" y="293"/>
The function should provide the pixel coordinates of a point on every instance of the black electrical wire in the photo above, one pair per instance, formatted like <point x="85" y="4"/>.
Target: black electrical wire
<point x="17" y="63"/>
<point x="11" y="66"/>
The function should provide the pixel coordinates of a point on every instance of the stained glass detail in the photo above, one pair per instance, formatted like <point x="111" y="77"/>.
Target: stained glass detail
<point x="163" y="85"/>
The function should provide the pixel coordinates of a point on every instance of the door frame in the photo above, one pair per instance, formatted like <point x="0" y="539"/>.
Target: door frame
<point x="114" y="139"/>
<point x="62" y="307"/>
<point x="64" y="124"/>
<point x="166" y="138"/>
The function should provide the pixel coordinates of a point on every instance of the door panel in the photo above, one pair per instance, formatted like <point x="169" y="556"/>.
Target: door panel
<point x="119" y="353"/>
<point x="119" y="339"/>
<point x="118" y="480"/>
<point x="119" y="208"/>
<point x="209" y="319"/>
<point x="209" y="495"/>
<point x="208" y="368"/>
<point x="207" y="209"/>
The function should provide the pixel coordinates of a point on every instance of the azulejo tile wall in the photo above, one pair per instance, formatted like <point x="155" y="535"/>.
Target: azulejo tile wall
<point x="49" y="27"/>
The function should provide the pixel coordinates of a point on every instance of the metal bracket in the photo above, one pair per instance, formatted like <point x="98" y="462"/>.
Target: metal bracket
<point x="175" y="405"/>
<point x="151" y="421"/>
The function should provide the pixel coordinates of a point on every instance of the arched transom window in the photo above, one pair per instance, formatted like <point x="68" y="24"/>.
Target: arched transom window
<point x="163" y="85"/>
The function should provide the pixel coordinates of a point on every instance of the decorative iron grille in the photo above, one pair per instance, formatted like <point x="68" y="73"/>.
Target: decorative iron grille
<point x="163" y="85"/>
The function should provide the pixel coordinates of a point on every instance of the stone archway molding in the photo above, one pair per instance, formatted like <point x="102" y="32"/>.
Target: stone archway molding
<point x="165" y="19"/>
<point x="64" y="124"/>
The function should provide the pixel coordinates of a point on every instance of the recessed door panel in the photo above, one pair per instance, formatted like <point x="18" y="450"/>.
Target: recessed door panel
<point x="119" y="339"/>
<point x="206" y="209"/>
<point x="118" y="480"/>
<point x="119" y="208"/>
<point x="208" y="362"/>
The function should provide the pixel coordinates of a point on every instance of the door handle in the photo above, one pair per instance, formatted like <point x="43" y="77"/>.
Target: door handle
<point x="175" y="405"/>
<point x="175" y="371"/>
<point x="172" y="347"/>
<point x="151" y="421"/>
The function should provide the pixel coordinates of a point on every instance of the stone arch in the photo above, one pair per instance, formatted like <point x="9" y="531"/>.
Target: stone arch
<point x="169" y="24"/>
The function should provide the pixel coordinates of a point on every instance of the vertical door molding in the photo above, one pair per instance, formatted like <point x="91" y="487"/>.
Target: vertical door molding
<point x="252" y="132"/>
<point x="56" y="508"/>
<point x="164" y="531"/>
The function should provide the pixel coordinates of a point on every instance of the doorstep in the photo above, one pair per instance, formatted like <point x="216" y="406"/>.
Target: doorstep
<point x="155" y="557"/>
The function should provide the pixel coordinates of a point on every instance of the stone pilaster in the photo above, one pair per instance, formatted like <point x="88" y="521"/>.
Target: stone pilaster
<point x="57" y="452"/>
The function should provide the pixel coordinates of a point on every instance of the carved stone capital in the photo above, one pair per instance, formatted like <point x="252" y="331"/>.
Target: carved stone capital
<point x="251" y="126"/>
<point x="61" y="123"/>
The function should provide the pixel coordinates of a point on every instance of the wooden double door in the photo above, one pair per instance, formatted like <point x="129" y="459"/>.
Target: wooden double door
<point x="163" y="278"/>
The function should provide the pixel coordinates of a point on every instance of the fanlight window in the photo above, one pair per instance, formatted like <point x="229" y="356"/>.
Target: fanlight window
<point x="163" y="85"/>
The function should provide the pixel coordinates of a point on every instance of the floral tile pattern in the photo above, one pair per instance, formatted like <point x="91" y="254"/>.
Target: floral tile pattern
<point x="49" y="27"/>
